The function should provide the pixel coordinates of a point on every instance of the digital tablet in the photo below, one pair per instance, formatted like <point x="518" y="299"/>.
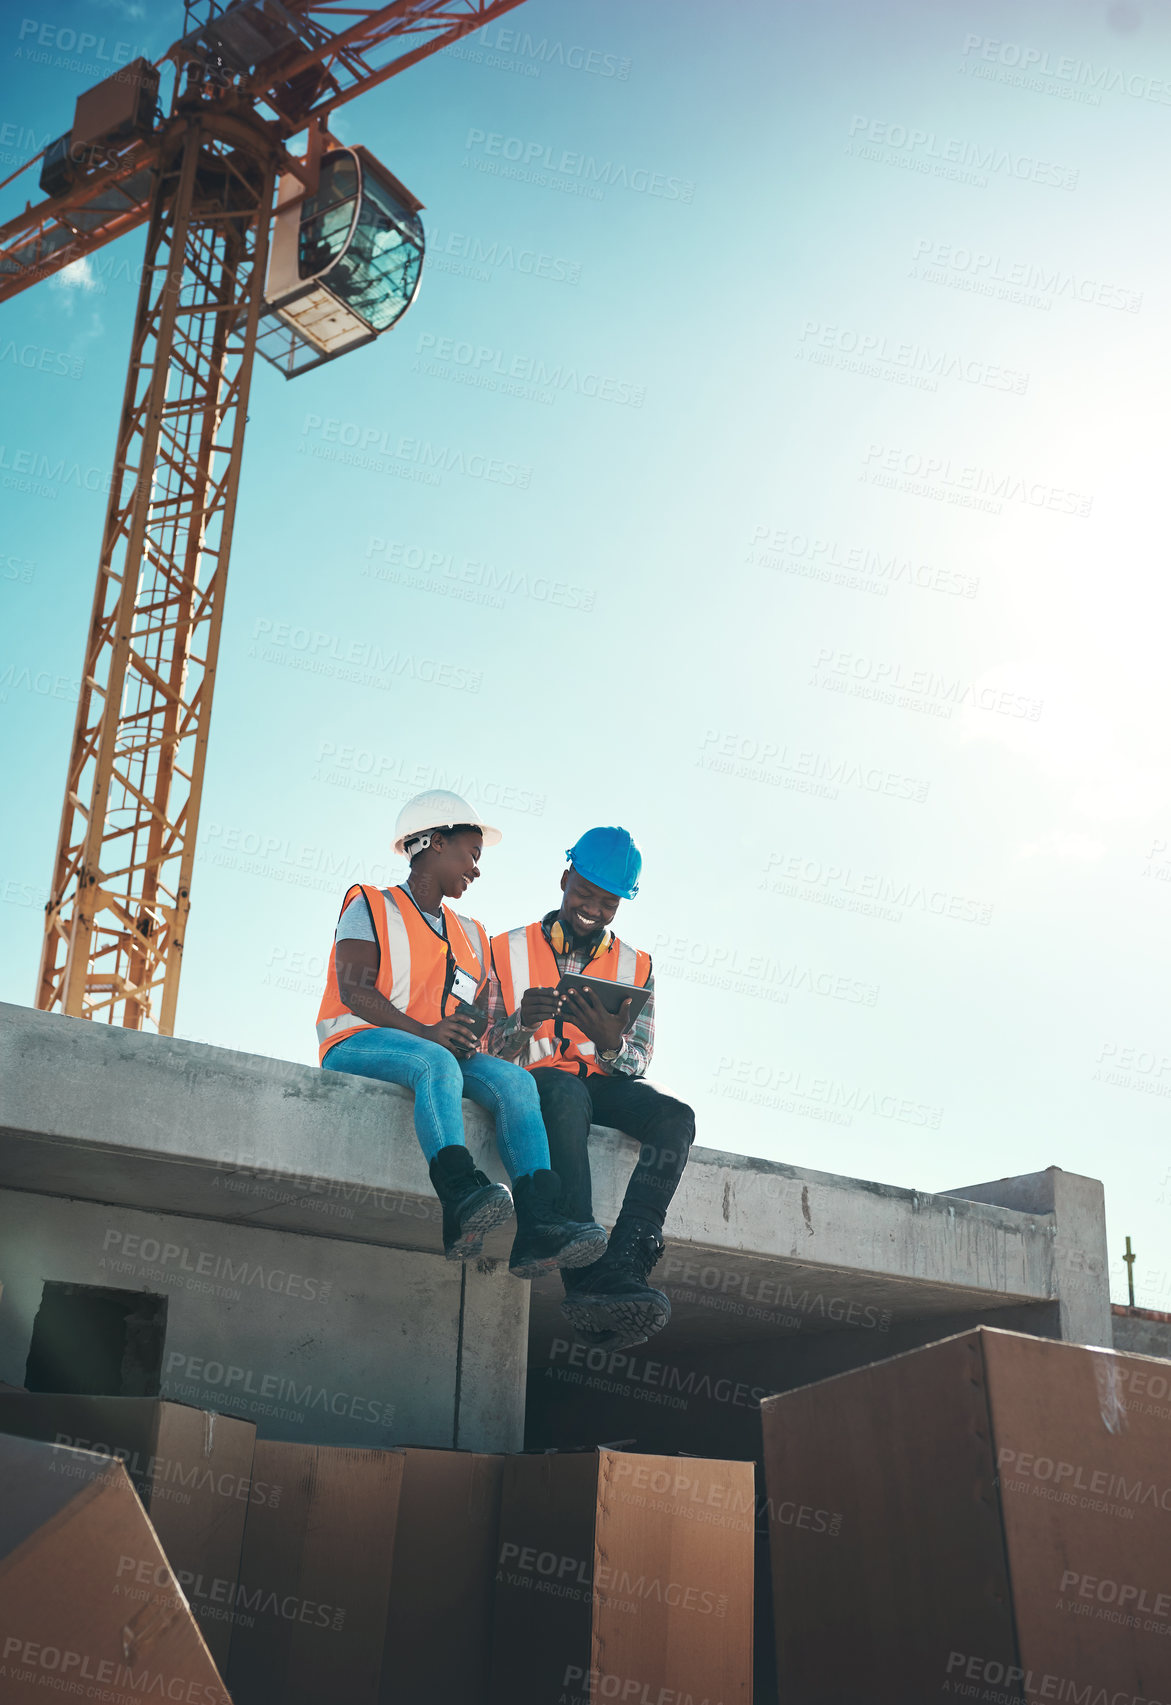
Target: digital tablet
<point x="610" y="994"/>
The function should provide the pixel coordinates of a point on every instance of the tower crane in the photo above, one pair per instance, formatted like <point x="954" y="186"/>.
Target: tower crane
<point x="223" y="276"/>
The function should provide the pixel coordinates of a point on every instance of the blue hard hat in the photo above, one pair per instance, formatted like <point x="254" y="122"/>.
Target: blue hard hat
<point x="609" y="859"/>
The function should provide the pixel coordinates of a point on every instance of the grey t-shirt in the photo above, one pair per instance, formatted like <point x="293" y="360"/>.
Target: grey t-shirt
<point x="355" y="925"/>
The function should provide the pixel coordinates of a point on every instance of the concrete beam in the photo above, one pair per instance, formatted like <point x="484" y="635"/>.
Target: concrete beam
<point x="776" y="1273"/>
<point x="177" y="1127"/>
<point x="1076" y="1207"/>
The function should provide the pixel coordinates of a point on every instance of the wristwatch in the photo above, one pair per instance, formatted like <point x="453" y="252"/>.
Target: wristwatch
<point x="609" y="1055"/>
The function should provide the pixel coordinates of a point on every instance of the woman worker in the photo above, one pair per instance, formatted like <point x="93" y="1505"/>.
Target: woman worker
<point x="406" y="991"/>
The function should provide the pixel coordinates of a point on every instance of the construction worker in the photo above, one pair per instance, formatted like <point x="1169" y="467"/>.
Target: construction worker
<point x="588" y="1065"/>
<point x="405" y="995"/>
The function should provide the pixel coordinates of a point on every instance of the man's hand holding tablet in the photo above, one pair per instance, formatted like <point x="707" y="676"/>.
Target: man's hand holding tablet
<point x="601" y="1010"/>
<point x="581" y="1006"/>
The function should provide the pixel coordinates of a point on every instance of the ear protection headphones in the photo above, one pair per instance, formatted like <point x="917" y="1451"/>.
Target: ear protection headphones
<point x="559" y="944"/>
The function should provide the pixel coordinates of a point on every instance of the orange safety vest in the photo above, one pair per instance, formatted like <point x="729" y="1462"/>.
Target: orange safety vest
<point x="415" y="966"/>
<point x="524" y="960"/>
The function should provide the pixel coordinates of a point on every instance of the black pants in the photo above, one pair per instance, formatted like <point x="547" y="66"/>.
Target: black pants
<point x="663" y="1127"/>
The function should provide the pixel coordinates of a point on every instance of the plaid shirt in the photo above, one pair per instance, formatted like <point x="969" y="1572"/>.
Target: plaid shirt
<point x="507" y="1037"/>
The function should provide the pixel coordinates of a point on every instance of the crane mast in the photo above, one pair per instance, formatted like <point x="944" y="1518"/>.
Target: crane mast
<point x="120" y="894"/>
<point x="203" y="183"/>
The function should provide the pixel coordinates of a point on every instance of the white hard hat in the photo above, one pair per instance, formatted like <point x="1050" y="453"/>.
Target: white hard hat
<point x="437" y="809"/>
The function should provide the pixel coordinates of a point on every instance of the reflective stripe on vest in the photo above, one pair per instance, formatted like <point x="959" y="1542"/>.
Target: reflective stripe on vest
<point x="412" y="964"/>
<point x="524" y="960"/>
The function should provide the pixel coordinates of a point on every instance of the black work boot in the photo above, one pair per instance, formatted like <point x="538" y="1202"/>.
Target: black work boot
<point x="472" y="1204"/>
<point x="610" y="1305"/>
<point x="545" y="1239"/>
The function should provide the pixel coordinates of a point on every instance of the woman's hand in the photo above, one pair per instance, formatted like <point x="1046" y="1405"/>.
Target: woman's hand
<point x="455" y="1033"/>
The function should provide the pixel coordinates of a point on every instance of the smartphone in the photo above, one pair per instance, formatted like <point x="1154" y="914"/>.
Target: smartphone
<point x="477" y="1014"/>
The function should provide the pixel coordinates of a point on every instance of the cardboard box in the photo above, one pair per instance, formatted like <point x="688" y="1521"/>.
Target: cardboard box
<point x="315" y="1577"/>
<point x="623" y="1577"/>
<point x="439" y="1631"/>
<point x="192" y="1470"/>
<point x="987" y="1517"/>
<point x="74" y="1620"/>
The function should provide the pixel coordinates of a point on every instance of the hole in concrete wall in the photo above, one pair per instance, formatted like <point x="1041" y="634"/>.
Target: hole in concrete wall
<point x="93" y="1341"/>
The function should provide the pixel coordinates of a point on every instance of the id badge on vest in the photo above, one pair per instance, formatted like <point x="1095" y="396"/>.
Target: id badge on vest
<point x="463" y="985"/>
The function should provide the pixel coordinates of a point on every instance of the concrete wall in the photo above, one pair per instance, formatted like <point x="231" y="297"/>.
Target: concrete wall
<point x="777" y="1274"/>
<point x="310" y="1337"/>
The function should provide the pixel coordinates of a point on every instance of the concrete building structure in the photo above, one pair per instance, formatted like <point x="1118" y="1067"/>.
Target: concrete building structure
<point x="285" y="1215"/>
<point x="1142" y="1331"/>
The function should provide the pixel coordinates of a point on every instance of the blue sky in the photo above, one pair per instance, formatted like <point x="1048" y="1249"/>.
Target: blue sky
<point x="773" y="463"/>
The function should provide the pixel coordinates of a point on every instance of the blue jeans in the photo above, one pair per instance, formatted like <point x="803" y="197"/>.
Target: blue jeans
<point x="440" y="1081"/>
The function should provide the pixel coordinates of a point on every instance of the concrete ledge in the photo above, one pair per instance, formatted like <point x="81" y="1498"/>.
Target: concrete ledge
<point x="107" y="1115"/>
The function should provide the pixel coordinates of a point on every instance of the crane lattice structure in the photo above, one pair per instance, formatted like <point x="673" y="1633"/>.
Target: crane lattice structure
<point x="247" y="81"/>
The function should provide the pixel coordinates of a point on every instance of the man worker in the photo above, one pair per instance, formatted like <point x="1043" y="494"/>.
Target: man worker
<point x="589" y="1066"/>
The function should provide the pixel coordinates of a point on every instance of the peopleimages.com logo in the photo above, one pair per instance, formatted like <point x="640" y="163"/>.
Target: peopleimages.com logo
<point x="541" y="162"/>
<point x="61" y="39"/>
<point x="955" y="157"/>
<point x="67" y="1668"/>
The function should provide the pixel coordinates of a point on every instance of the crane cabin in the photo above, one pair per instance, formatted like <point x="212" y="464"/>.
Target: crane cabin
<point x="344" y="261"/>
